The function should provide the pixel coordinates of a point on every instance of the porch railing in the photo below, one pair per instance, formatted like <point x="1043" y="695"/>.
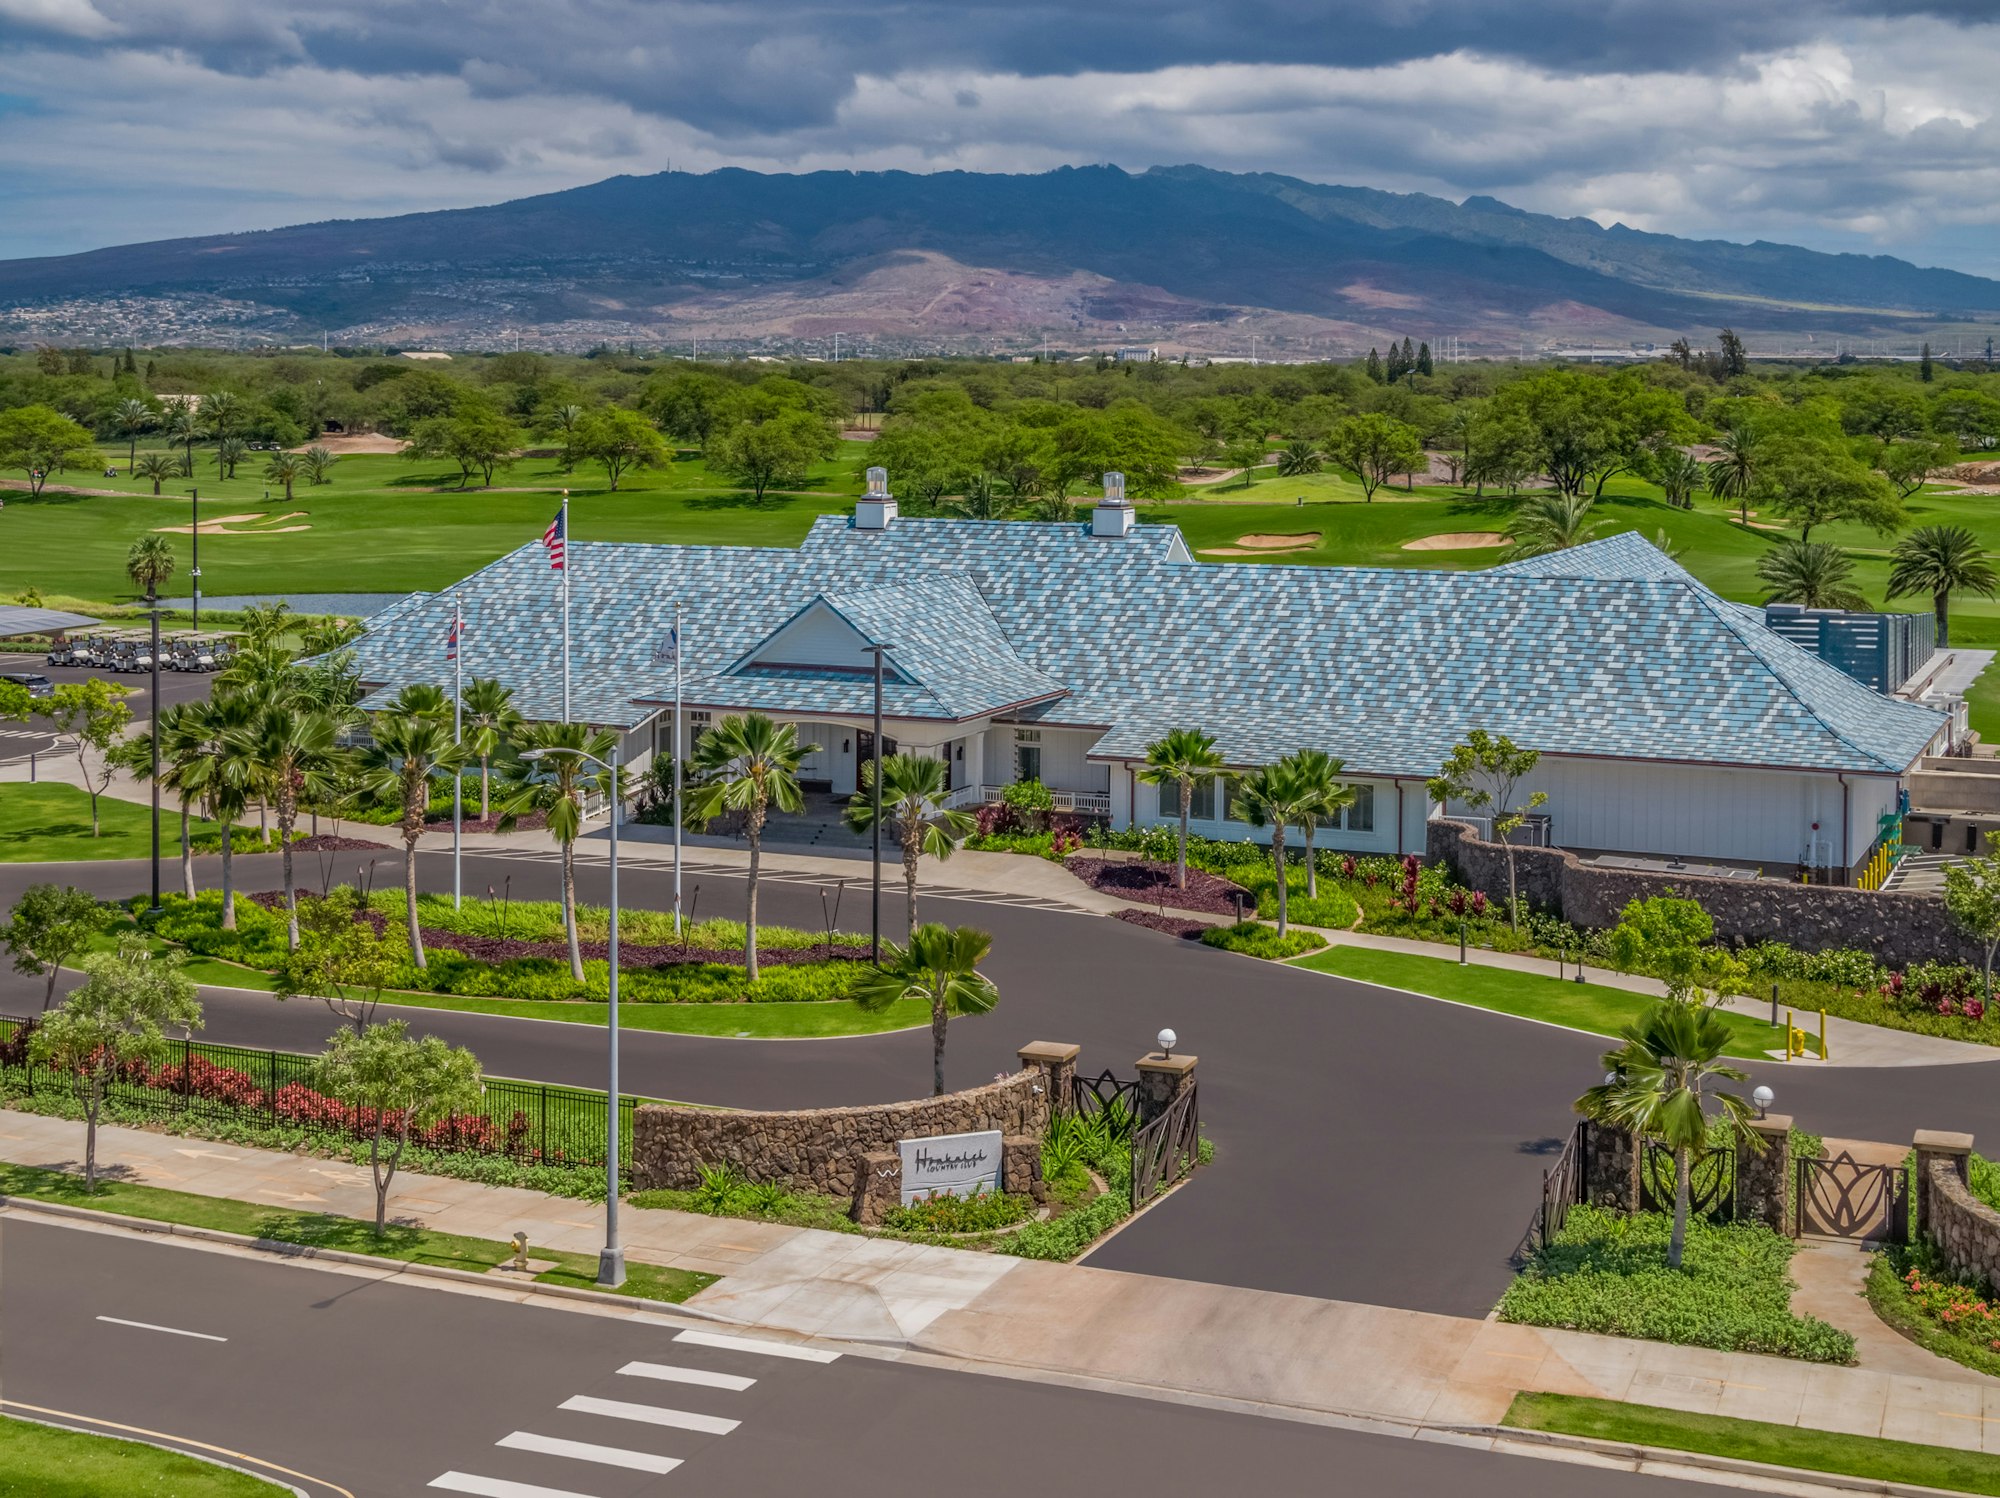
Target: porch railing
<point x="1082" y="803"/>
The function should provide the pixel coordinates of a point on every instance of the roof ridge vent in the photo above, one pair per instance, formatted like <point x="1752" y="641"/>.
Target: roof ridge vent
<point x="1113" y="516"/>
<point x="877" y="508"/>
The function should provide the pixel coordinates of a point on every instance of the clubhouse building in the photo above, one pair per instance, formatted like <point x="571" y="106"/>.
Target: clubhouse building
<point x="1673" y="725"/>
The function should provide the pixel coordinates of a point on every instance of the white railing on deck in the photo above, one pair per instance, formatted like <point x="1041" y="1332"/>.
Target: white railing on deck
<point x="1083" y="803"/>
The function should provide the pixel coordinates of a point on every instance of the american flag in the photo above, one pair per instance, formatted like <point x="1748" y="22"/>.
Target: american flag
<point x="451" y="638"/>
<point x="557" y="541"/>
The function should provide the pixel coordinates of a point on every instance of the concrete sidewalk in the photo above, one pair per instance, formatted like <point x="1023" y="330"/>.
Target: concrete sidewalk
<point x="1247" y="1347"/>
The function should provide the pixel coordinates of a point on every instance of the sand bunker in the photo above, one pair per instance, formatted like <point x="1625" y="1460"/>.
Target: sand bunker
<point x="354" y="443"/>
<point x="225" y="525"/>
<point x="1456" y="541"/>
<point x="1261" y="545"/>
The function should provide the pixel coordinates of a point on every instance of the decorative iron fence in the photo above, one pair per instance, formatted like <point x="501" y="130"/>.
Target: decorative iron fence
<point x="1562" y="1188"/>
<point x="1104" y="1094"/>
<point x="1167" y="1148"/>
<point x="1711" y="1182"/>
<point x="532" y="1121"/>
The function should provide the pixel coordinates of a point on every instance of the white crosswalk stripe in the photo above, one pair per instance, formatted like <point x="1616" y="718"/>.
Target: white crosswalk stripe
<point x="498" y="1487"/>
<point x="668" y="1373"/>
<point x="649" y="1414"/>
<point x="585" y="1451"/>
<point x="696" y="1338"/>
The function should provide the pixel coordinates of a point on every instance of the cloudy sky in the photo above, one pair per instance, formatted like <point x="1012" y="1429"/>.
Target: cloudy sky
<point x="1864" y="125"/>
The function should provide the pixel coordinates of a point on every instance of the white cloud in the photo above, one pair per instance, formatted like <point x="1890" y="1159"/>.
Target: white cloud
<point x="78" y="18"/>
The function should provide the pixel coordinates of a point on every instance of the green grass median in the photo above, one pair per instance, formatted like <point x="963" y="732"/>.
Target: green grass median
<point x="1594" y="1007"/>
<point x="1758" y="1441"/>
<point x="411" y="1245"/>
<point x="49" y="822"/>
<point x="43" y="1461"/>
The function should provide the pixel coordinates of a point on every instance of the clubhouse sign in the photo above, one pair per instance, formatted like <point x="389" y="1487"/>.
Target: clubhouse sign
<point x="950" y="1165"/>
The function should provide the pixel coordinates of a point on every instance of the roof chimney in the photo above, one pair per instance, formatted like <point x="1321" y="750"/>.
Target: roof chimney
<point x="875" y="509"/>
<point x="1112" y="517"/>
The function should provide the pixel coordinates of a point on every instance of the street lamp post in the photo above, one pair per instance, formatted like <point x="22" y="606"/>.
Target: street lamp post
<point x="194" y="542"/>
<point x="611" y="1259"/>
<point x="153" y="604"/>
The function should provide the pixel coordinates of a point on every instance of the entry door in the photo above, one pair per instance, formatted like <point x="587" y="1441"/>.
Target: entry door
<point x="1027" y="761"/>
<point x="864" y="742"/>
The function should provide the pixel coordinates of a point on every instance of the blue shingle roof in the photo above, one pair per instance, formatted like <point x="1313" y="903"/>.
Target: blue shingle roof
<point x="1387" y="668"/>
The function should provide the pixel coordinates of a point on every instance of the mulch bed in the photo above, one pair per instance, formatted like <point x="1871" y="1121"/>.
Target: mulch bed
<point x="498" y="949"/>
<point x="528" y="821"/>
<point x="1153" y="884"/>
<point x="326" y="842"/>
<point x="1173" y="925"/>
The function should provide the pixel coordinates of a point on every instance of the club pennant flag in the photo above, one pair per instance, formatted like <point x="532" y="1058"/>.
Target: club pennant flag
<point x="668" y="653"/>
<point x="451" y="638"/>
<point x="557" y="542"/>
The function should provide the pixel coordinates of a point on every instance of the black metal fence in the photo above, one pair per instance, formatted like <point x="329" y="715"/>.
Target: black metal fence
<point x="1167" y="1148"/>
<point x="1711" y="1182"/>
<point x="537" y="1122"/>
<point x="1562" y="1188"/>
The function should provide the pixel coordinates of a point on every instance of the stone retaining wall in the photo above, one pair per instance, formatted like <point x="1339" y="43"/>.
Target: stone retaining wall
<point x="1899" y="929"/>
<point x="1965" y="1230"/>
<point x="822" y="1149"/>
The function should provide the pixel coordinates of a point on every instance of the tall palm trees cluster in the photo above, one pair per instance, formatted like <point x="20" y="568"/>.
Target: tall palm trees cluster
<point x="1301" y="792"/>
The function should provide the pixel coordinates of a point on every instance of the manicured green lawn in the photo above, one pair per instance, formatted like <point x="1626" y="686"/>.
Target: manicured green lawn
<point x="383" y="525"/>
<point x="1758" y="1441"/>
<point x="50" y="823"/>
<point x="1581" y="1006"/>
<point x="320" y="1230"/>
<point x="40" y="1461"/>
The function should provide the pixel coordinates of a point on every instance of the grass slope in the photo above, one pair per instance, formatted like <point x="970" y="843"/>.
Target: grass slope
<point x="1581" y="1006"/>
<point x="41" y="1461"/>
<point x="50" y="823"/>
<point x="1867" y="1457"/>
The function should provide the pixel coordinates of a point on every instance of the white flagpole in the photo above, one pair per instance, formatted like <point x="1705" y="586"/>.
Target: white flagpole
<point x="680" y="648"/>
<point x="566" y="567"/>
<point x="457" y="738"/>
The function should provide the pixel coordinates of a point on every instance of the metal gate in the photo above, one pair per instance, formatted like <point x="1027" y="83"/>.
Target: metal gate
<point x="1711" y="1182"/>
<point x="1843" y="1198"/>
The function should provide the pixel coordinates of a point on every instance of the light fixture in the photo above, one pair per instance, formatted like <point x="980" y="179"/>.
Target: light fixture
<point x="1763" y="1097"/>
<point x="1167" y="1040"/>
<point x="534" y="754"/>
<point x="847" y="746"/>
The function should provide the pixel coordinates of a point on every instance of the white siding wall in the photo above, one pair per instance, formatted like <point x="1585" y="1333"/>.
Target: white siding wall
<point x="1148" y="812"/>
<point x="1756" y="816"/>
<point x="828" y="763"/>
<point x="1064" y="767"/>
<point x="818" y="638"/>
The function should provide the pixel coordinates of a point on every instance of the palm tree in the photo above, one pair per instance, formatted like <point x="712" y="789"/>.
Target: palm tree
<point x="1299" y="458"/>
<point x="183" y="745"/>
<point x="294" y="753"/>
<point x="228" y="453"/>
<point x="1661" y="1081"/>
<point x="133" y="417"/>
<point x="1274" y="797"/>
<point x="559" y="766"/>
<point x="1551" y="522"/>
<point x="158" y="467"/>
<point x="149" y="563"/>
<point x="749" y="764"/>
<point x="1678" y="474"/>
<point x="410" y="749"/>
<point x="1326" y="797"/>
<point x="286" y="469"/>
<point x="941" y="967"/>
<point x="567" y="417"/>
<point x="489" y="720"/>
<point x="316" y="461"/>
<point x="421" y="699"/>
<point x="1732" y="472"/>
<point x="1940" y="560"/>
<point x="913" y="795"/>
<point x="1814" y="574"/>
<point x="328" y="633"/>
<point x="220" y="774"/>
<point x="982" y="500"/>
<point x="1180" y="758"/>
<point x="185" y="428"/>
<point x="265" y="623"/>
<point x="219" y="409"/>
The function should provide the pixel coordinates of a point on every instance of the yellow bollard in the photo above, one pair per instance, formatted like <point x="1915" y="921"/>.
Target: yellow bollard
<point x="1823" y="1055"/>
<point x="1791" y="1033"/>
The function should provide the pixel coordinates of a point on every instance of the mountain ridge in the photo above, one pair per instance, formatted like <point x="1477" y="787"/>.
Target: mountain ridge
<point x="677" y="254"/>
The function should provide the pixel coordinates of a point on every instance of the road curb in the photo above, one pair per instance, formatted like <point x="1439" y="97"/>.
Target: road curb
<point x="1509" y="1438"/>
<point x="277" y="1249"/>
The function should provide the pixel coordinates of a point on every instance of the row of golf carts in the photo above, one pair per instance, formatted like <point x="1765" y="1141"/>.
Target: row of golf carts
<point x="132" y="650"/>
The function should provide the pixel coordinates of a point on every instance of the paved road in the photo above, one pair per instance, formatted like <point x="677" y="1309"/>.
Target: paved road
<point x="390" y="1390"/>
<point x="1374" y="1146"/>
<point x="175" y="686"/>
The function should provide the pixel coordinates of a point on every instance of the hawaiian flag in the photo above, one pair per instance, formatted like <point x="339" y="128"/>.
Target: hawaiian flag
<point x="669" y="652"/>
<point x="451" y="638"/>
<point x="556" y="539"/>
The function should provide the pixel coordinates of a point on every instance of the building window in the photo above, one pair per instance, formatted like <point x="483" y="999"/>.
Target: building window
<point x="1201" y="803"/>
<point x="1360" y="817"/>
<point x="1232" y="802"/>
<point x="1027" y="735"/>
<point x="1027" y="762"/>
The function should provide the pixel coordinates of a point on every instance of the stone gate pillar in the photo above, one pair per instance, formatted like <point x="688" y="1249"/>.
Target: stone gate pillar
<point x="1056" y="1061"/>
<point x="1934" y="1145"/>
<point x="1162" y="1079"/>
<point x="1610" y="1167"/>
<point x="1764" y="1177"/>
